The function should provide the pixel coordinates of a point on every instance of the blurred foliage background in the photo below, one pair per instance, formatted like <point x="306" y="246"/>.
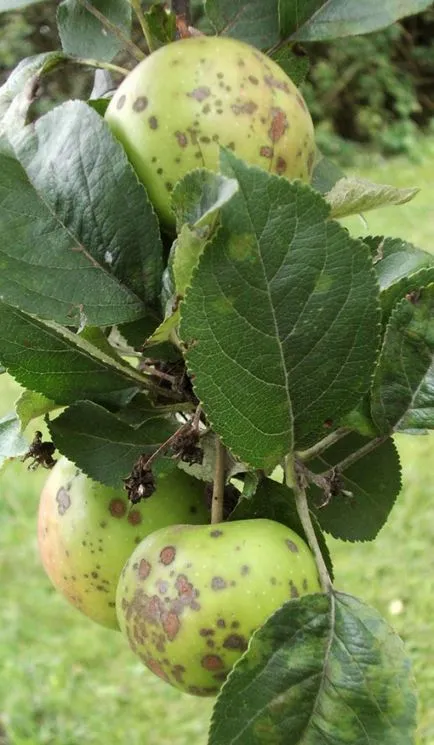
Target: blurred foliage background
<point x="374" y="91"/>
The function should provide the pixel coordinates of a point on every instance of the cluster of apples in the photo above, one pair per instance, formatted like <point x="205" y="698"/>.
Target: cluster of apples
<point x="187" y="595"/>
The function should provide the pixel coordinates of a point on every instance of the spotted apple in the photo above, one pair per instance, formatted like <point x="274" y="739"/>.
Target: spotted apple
<point x="86" y="531"/>
<point x="174" y="110"/>
<point x="190" y="597"/>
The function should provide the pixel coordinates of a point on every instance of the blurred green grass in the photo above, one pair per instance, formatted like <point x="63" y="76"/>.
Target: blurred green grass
<point x="66" y="681"/>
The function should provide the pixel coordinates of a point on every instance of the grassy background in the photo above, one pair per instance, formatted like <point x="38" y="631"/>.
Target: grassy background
<point x="66" y="681"/>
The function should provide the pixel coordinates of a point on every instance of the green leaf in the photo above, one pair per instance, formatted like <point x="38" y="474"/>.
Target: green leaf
<point x="161" y="26"/>
<point x="403" y="387"/>
<point x="102" y="445"/>
<point x="199" y="196"/>
<point x="323" y="670"/>
<point x="253" y="21"/>
<point x="370" y="487"/>
<point x="317" y="20"/>
<point x="401" y="269"/>
<point x="57" y="363"/>
<point x="280" y="322"/>
<point x="274" y="501"/>
<point x="296" y="66"/>
<point x="83" y="35"/>
<point x="12" y="442"/>
<point x="7" y="5"/>
<point x="31" y="405"/>
<point x="325" y="174"/>
<point x="23" y="79"/>
<point x="351" y="196"/>
<point x="105" y="209"/>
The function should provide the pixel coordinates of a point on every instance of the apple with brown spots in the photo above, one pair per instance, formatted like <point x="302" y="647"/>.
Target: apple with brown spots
<point x="190" y="597"/>
<point x="87" y="531"/>
<point x="175" y="109"/>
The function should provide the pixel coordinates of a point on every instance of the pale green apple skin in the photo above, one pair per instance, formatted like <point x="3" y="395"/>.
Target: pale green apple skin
<point x="175" y="109"/>
<point x="87" y="531"/>
<point x="190" y="597"/>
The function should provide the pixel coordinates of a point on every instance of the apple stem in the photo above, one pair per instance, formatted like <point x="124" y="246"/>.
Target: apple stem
<point x="102" y="65"/>
<point x="319" y="447"/>
<point x="295" y="475"/>
<point x="218" y="492"/>
<point x="132" y="48"/>
<point x="135" y="4"/>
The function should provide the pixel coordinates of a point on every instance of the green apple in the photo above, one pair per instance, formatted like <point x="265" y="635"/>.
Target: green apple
<point x="87" y="531"/>
<point x="190" y="597"/>
<point x="175" y="109"/>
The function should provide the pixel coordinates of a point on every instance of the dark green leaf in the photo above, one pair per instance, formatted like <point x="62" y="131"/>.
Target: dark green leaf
<point x="371" y="486"/>
<point x="57" y="363"/>
<point x="317" y="20"/>
<point x="281" y="319"/>
<point x="253" y="21"/>
<point x="323" y="670"/>
<point x="84" y="35"/>
<point x="199" y="196"/>
<point x="31" y="405"/>
<point x="161" y="26"/>
<point x="274" y="501"/>
<point x="403" y="388"/>
<point x="401" y="269"/>
<point x="12" y="442"/>
<point x="296" y="66"/>
<point x="102" y="445"/>
<point x="7" y="5"/>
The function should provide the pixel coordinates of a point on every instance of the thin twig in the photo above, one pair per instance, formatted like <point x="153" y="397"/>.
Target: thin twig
<point x="166" y="445"/>
<point x="322" y="445"/>
<point x="218" y="492"/>
<point x="354" y="457"/>
<point x="133" y="49"/>
<point x="293" y="474"/>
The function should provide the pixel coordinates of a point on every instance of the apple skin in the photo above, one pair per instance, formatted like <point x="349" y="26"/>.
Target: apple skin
<point x="87" y="531"/>
<point x="178" y="105"/>
<point x="190" y="597"/>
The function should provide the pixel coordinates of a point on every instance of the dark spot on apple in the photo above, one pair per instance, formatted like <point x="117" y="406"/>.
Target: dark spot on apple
<point x="134" y="518"/>
<point x="266" y="151"/>
<point x="194" y="605"/>
<point x="153" y="122"/>
<point x="221" y="623"/>
<point x="169" y="186"/>
<point x="63" y="501"/>
<point x="184" y="587"/>
<point x="137" y="540"/>
<point x="202" y="690"/>
<point x="171" y="625"/>
<point x="167" y="555"/>
<point x="207" y="632"/>
<point x="310" y="161"/>
<point x="200" y="94"/>
<point x="231" y="146"/>
<point x="235" y="625"/>
<point x="241" y="62"/>
<point x="210" y="643"/>
<point x="154" y="159"/>
<point x="301" y="102"/>
<point x="182" y="138"/>
<point x="103" y="524"/>
<point x="117" y="508"/>
<point x="220" y="75"/>
<point x="216" y="533"/>
<point x="205" y="139"/>
<point x="218" y="583"/>
<point x="245" y="569"/>
<point x="212" y="662"/>
<point x="120" y="102"/>
<point x="159" y="171"/>
<point x="215" y="138"/>
<point x="177" y="672"/>
<point x="281" y="165"/>
<point x="247" y="107"/>
<point x="162" y="586"/>
<point x="220" y="676"/>
<point x="235" y="641"/>
<point x="279" y="124"/>
<point x="305" y="584"/>
<point x="111" y="604"/>
<point x="198" y="155"/>
<point x="281" y="85"/>
<point x="293" y="590"/>
<point x="140" y="104"/>
<point x="156" y="668"/>
<point x="206" y="109"/>
<point x="94" y="575"/>
<point x="273" y="581"/>
<point x="291" y="545"/>
<point x="253" y="79"/>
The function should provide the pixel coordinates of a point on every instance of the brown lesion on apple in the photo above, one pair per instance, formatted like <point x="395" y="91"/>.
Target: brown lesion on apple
<point x="140" y="104"/>
<point x="310" y="161"/>
<point x="221" y="623"/>
<point x="291" y="545"/>
<point x="215" y="533"/>
<point x="247" y="107"/>
<point x="280" y="85"/>
<point x="245" y="569"/>
<point x="218" y="583"/>
<point x="279" y="124"/>
<point x="200" y="94"/>
<point x="235" y="641"/>
<point x="153" y="122"/>
<point x="181" y="138"/>
<point x="167" y="555"/>
<point x="121" y="102"/>
<point x="202" y="690"/>
<point x="254" y="80"/>
<point x="156" y="668"/>
<point x="301" y="102"/>
<point x="212" y="662"/>
<point x="117" y="508"/>
<point x="293" y="590"/>
<point x="281" y="165"/>
<point x="63" y="500"/>
<point x="134" y="518"/>
<point x="305" y="584"/>
<point x="178" y="671"/>
<point x="171" y="625"/>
